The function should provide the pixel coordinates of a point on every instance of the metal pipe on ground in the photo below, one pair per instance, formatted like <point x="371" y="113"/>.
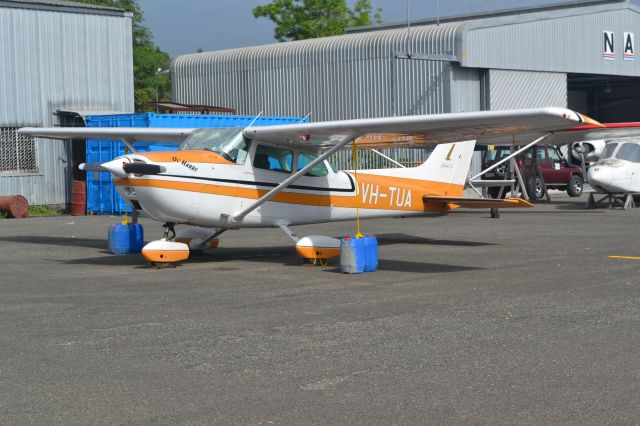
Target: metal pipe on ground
<point x="14" y="205"/>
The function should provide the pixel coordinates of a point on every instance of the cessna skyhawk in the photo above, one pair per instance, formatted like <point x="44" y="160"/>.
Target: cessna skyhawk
<point x="279" y="176"/>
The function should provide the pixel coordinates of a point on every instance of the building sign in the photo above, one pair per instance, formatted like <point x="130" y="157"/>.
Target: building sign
<point x="629" y="47"/>
<point x="609" y="53"/>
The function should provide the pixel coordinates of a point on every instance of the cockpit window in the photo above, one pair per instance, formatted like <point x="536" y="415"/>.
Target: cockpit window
<point x="629" y="152"/>
<point x="318" y="170"/>
<point x="608" y="150"/>
<point x="273" y="158"/>
<point x="228" y="142"/>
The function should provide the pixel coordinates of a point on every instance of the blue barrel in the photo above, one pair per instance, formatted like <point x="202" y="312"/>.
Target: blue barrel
<point x="125" y="239"/>
<point x="370" y="253"/>
<point x="352" y="255"/>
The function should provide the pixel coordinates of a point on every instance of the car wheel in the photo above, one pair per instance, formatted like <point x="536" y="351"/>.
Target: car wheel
<point x="502" y="170"/>
<point x="539" y="188"/>
<point x="574" y="189"/>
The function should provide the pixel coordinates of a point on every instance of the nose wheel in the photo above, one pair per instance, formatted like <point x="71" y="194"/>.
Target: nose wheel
<point x="165" y="253"/>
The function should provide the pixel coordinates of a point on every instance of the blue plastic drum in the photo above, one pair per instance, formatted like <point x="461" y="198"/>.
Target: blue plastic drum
<point x="370" y="253"/>
<point x="124" y="239"/>
<point x="352" y="256"/>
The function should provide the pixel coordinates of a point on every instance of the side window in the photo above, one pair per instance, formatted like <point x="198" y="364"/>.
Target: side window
<point x="629" y="152"/>
<point x="272" y="158"/>
<point x="541" y="153"/>
<point x="317" y="171"/>
<point x="553" y="154"/>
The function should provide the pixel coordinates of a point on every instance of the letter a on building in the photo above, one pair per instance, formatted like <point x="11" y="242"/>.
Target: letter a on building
<point x="629" y="47"/>
<point x="609" y="53"/>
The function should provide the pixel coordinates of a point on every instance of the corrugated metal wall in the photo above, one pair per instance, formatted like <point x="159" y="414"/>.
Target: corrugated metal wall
<point x="359" y="75"/>
<point x="569" y="41"/>
<point x="526" y="89"/>
<point x="54" y="60"/>
<point x="353" y="76"/>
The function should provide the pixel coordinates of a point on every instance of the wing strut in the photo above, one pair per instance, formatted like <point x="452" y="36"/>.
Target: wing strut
<point x="266" y="197"/>
<point x="510" y="157"/>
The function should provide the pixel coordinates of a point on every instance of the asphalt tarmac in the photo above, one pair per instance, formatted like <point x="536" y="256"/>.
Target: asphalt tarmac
<point x="470" y="320"/>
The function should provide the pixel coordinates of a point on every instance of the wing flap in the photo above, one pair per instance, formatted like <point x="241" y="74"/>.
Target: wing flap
<point x="478" y="203"/>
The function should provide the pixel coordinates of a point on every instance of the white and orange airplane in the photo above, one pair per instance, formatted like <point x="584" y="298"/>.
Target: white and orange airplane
<point x="279" y="176"/>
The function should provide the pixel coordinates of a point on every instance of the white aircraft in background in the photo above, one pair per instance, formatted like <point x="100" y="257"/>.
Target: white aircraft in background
<point x="278" y="176"/>
<point x="618" y="169"/>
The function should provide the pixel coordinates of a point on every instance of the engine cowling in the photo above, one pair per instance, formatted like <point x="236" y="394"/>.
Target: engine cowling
<point x="590" y="149"/>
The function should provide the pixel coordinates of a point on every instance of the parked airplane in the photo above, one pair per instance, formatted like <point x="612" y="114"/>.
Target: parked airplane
<point x="618" y="169"/>
<point x="278" y="176"/>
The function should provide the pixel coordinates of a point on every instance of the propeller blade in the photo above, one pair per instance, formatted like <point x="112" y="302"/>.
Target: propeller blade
<point x="91" y="167"/>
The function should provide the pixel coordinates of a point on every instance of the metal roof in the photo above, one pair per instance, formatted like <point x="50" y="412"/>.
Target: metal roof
<point x="484" y="15"/>
<point x="64" y="6"/>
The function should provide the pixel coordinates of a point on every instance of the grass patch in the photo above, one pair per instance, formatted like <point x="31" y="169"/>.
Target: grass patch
<point x="43" y="211"/>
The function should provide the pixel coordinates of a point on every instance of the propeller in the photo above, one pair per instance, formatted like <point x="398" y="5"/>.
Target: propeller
<point x="121" y="168"/>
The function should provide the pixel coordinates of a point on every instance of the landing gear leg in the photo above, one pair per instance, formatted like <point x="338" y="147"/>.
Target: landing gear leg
<point x="169" y="228"/>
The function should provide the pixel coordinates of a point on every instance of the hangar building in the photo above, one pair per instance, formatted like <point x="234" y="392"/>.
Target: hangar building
<point x="579" y="55"/>
<point x="57" y="59"/>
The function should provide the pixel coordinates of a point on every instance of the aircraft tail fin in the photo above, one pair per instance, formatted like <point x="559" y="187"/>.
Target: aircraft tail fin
<point x="448" y="163"/>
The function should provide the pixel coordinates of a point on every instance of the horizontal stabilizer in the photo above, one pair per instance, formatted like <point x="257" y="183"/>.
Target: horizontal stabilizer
<point x="479" y="203"/>
<point x="491" y="183"/>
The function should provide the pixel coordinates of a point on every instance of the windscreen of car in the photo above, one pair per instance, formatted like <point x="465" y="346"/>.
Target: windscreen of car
<point x="493" y="155"/>
<point x="629" y="152"/>
<point x="608" y="150"/>
<point x="228" y="142"/>
<point x="553" y="154"/>
<point x="540" y="154"/>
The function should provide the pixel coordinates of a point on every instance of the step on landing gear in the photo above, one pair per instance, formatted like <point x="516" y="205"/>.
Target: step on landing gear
<point x="165" y="253"/>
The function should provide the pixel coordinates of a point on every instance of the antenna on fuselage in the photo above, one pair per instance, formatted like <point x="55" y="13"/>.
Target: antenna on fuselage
<point x="302" y="120"/>
<point x="254" y="120"/>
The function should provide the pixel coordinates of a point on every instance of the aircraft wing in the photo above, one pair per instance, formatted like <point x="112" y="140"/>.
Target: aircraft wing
<point x="582" y="133"/>
<point x="421" y="130"/>
<point x="147" y="134"/>
<point x="590" y="132"/>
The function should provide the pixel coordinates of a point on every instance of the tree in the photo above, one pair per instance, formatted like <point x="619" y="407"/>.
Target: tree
<point x="303" y="19"/>
<point x="149" y="83"/>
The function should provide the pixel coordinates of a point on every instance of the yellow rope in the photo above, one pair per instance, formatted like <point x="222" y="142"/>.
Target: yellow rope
<point x="354" y="156"/>
<point x="125" y="220"/>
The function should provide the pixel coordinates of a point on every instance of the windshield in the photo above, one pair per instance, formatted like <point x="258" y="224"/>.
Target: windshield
<point x="629" y="152"/>
<point x="228" y="142"/>
<point x="608" y="150"/>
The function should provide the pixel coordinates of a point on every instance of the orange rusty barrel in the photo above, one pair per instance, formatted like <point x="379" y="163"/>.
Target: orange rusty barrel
<point x="14" y="205"/>
<point x="79" y="198"/>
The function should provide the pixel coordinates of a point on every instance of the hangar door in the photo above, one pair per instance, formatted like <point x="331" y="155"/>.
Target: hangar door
<point x="608" y="99"/>
<point x="507" y="89"/>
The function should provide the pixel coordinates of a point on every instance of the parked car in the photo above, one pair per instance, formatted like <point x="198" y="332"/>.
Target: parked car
<point x="556" y="172"/>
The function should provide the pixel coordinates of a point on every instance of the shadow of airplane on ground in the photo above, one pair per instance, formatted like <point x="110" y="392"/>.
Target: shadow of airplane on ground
<point x="283" y="255"/>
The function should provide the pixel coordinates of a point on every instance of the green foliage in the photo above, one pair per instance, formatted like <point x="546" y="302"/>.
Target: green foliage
<point x="42" y="211"/>
<point x="147" y="58"/>
<point x="303" y="19"/>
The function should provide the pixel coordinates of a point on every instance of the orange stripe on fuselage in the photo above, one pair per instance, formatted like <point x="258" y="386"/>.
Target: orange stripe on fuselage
<point x="375" y="192"/>
<point x="197" y="156"/>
